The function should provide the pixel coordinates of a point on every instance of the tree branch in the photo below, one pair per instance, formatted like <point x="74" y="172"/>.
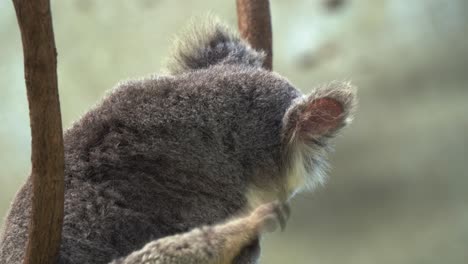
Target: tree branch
<point x="40" y="67"/>
<point x="254" y="21"/>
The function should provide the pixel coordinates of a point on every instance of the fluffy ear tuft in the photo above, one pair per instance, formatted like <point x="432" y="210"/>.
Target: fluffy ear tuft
<point x="307" y="126"/>
<point x="209" y="43"/>
<point x="322" y="113"/>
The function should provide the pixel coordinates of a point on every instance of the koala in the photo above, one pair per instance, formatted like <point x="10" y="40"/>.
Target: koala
<point x="190" y="166"/>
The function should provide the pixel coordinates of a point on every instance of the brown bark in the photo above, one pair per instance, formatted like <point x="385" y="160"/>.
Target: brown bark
<point x="40" y="63"/>
<point x="254" y="21"/>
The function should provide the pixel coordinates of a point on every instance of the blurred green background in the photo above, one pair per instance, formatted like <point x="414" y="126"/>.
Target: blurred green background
<point x="397" y="191"/>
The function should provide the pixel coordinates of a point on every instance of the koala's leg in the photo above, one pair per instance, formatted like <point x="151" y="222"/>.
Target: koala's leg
<point x="218" y="244"/>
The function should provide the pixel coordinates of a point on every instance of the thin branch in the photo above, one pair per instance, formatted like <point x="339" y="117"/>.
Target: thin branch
<point x="254" y="23"/>
<point x="40" y="64"/>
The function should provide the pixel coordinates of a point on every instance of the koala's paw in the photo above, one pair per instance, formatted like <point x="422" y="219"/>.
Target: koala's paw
<point x="267" y="217"/>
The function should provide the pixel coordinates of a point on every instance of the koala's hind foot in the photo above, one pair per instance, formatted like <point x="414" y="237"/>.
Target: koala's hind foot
<point x="218" y="244"/>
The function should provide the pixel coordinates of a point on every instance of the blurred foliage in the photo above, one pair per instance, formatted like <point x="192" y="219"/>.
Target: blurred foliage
<point x="397" y="190"/>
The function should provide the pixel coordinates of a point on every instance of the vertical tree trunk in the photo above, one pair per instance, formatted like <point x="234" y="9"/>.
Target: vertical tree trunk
<point x="254" y="23"/>
<point x="47" y="157"/>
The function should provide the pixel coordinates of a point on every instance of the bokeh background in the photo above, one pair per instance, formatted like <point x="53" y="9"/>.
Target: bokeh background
<point x="398" y="189"/>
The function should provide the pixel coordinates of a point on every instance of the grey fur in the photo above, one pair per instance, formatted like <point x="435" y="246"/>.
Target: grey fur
<point x="162" y="155"/>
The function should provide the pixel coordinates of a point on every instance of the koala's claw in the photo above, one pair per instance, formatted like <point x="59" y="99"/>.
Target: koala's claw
<point x="282" y="211"/>
<point x="270" y="215"/>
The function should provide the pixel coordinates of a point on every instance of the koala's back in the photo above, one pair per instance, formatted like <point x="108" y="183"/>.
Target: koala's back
<point x="159" y="156"/>
<point x="15" y="229"/>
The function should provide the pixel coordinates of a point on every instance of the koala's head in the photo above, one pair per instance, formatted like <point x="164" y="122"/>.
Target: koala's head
<point x="279" y="136"/>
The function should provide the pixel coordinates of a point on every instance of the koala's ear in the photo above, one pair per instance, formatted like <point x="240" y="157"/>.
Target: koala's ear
<point x="320" y="114"/>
